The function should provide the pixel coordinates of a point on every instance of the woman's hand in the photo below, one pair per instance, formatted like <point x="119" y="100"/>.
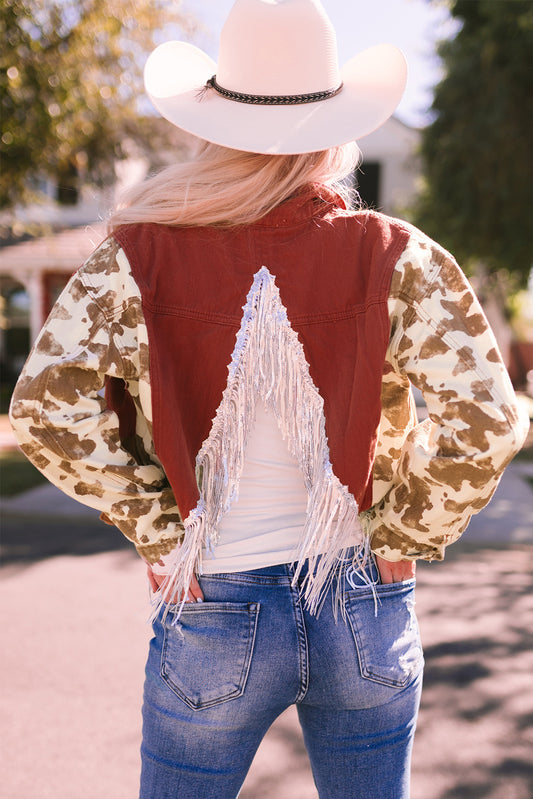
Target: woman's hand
<point x="395" y="572"/>
<point x="194" y="594"/>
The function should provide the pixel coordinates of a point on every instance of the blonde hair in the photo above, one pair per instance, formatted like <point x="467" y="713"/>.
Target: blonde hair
<point x="227" y="187"/>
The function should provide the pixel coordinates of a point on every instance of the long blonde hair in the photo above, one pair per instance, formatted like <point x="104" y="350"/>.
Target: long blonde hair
<point x="227" y="187"/>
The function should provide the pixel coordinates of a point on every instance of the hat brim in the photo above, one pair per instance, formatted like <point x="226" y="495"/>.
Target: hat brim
<point x="373" y="85"/>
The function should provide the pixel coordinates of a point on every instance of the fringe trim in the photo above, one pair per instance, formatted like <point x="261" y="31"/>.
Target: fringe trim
<point x="268" y="362"/>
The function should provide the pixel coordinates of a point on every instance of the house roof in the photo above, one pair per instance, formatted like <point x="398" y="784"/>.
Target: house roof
<point x="62" y="252"/>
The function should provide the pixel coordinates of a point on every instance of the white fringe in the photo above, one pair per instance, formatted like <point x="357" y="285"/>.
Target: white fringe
<point x="268" y="362"/>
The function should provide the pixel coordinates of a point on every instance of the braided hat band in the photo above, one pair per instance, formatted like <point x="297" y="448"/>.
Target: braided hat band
<point x="268" y="99"/>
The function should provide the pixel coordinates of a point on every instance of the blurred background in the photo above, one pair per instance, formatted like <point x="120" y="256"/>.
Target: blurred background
<point x="456" y="160"/>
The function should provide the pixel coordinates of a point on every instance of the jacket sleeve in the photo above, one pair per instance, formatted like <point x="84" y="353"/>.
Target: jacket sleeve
<point x="445" y="469"/>
<point x="61" y="419"/>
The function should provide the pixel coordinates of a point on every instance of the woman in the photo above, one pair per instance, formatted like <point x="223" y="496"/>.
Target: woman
<point x="258" y="442"/>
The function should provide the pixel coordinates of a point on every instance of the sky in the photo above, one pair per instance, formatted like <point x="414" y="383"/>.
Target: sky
<point x="415" y="26"/>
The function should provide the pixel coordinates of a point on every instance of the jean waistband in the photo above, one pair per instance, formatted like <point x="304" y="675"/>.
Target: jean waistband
<point x="288" y="569"/>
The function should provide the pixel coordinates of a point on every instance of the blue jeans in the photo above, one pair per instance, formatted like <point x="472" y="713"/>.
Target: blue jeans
<point x="218" y="677"/>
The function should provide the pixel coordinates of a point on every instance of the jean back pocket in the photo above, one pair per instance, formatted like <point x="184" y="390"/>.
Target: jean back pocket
<point x="206" y="655"/>
<point x="386" y="634"/>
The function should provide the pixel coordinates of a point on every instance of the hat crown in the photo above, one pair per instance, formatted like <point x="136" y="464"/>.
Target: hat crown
<point x="278" y="47"/>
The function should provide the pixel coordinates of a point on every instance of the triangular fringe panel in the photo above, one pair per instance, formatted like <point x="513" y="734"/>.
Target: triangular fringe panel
<point x="269" y="363"/>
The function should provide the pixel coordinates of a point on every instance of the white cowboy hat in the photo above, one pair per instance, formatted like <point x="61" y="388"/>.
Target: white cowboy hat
<point x="277" y="87"/>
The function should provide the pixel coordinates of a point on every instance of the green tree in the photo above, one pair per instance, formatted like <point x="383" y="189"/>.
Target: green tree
<point x="478" y="152"/>
<point x="70" y="83"/>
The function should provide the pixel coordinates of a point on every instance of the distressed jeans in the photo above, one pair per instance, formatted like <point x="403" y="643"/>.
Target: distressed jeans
<point x="218" y="677"/>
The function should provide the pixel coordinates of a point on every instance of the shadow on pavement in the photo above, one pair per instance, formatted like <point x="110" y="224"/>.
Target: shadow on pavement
<point x="27" y="539"/>
<point x="475" y="733"/>
<point x="475" y="737"/>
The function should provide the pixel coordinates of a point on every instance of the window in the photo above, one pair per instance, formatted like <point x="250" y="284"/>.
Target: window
<point x="367" y="183"/>
<point x="53" y="285"/>
<point x="14" y="328"/>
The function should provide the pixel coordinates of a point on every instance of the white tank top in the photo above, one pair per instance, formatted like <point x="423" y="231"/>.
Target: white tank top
<point x="264" y="524"/>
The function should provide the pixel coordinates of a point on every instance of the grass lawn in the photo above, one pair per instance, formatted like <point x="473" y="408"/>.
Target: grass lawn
<point x="17" y="474"/>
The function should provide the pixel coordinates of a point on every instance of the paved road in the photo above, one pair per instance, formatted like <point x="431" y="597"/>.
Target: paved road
<point x="74" y="608"/>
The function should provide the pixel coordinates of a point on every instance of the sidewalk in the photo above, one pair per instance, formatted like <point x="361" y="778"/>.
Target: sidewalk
<point x="74" y="608"/>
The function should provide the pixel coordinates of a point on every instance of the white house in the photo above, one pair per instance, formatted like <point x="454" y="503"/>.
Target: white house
<point x="389" y="175"/>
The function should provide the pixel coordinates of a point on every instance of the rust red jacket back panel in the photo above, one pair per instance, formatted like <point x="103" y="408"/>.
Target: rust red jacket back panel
<point x="333" y="270"/>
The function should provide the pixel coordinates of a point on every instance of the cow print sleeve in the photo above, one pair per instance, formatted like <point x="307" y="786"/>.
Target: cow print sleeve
<point x="430" y="478"/>
<point x="60" y="417"/>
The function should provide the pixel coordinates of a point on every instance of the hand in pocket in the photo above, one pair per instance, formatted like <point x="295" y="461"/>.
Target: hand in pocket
<point x="395" y="572"/>
<point x="194" y="594"/>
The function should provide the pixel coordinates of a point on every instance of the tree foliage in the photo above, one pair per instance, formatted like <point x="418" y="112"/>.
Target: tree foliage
<point x="70" y="83"/>
<point x="477" y="153"/>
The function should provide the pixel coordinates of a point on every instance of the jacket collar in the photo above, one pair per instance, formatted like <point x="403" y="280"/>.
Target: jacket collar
<point x="313" y="201"/>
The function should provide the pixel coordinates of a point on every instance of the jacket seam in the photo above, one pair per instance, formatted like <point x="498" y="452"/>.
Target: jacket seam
<point x="109" y="316"/>
<point x="191" y="313"/>
<point x="92" y="292"/>
<point x="300" y="319"/>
